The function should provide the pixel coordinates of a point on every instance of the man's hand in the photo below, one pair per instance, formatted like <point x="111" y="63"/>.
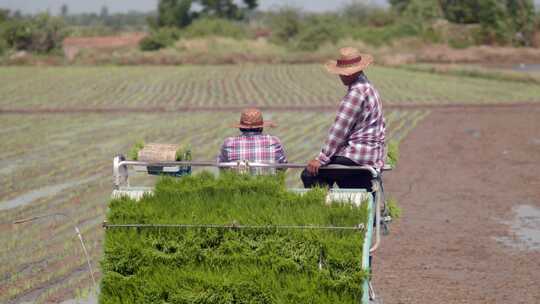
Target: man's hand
<point x="313" y="166"/>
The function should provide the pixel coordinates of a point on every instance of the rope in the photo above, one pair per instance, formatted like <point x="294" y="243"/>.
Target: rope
<point x="77" y="231"/>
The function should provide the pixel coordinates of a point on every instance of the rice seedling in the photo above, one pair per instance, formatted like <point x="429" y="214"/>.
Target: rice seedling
<point x="232" y="265"/>
<point x="133" y="153"/>
<point x="234" y="86"/>
<point x="392" y="155"/>
<point x="393" y="209"/>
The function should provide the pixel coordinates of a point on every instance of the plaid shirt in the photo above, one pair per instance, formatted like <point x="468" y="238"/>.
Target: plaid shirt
<point x="253" y="147"/>
<point x="358" y="132"/>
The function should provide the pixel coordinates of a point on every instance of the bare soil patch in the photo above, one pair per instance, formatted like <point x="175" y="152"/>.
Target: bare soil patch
<point x="125" y="40"/>
<point x="462" y="174"/>
<point x="72" y="45"/>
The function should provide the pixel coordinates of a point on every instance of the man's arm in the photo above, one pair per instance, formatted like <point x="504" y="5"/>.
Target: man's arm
<point x="280" y="155"/>
<point x="345" y="120"/>
<point x="223" y="155"/>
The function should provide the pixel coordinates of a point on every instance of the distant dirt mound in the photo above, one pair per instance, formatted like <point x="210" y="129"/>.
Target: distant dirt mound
<point x="72" y="45"/>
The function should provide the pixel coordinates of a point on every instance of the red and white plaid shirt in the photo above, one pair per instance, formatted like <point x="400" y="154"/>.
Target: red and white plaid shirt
<point x="253" y="147"/>
<point x="358" y="132"/>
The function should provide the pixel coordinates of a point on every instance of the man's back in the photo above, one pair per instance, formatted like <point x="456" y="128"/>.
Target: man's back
<point x="252" y="147"/>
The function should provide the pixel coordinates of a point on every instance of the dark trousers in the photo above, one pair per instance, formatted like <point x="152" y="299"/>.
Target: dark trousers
<point x="344" y="179"/>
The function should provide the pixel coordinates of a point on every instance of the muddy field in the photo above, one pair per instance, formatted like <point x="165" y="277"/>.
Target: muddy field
<point x="467" y="179"/>
<point x="469" y="185"/>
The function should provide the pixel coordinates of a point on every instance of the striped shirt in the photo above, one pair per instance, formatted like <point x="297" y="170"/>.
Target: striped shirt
<point x="358" y="131"/>
<point x="253" y="147"/>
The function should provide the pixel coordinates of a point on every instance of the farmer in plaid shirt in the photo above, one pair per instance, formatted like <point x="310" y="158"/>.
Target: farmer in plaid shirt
<point x="252" y="145"/>
<point x="357" y="135"/>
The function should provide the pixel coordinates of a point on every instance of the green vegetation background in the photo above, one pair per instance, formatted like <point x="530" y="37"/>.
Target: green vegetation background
<point x="457" y="23"/>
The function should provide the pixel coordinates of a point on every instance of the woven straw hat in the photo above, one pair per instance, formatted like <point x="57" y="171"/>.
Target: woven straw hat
<point x="252" y="118"/>
<point x="351" y="61"/>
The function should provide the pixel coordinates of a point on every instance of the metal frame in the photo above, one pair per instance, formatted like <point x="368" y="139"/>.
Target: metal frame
<point x="121" y="177"/>
<point x="121" y="180"/>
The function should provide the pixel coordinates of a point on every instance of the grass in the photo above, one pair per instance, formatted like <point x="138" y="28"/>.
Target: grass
<point x="205" y="265"/>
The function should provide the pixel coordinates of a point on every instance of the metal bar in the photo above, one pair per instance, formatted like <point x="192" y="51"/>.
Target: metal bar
<point x="377" y="191"/>
<point x="359" y="227"/>
<point x="247" y="164"/>
<point x="365" y="249"/>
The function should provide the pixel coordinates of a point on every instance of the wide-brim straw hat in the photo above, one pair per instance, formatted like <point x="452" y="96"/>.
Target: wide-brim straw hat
<point x="252" y="118"/>
<point x="351" y="61"/>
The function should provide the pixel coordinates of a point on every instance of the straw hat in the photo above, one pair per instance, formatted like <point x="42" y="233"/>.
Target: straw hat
<point x="252" y="118"/>
<point x="351" y="61"/>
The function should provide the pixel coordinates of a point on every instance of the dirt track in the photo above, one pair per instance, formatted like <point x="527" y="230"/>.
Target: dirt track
<point x="461" y="173"/>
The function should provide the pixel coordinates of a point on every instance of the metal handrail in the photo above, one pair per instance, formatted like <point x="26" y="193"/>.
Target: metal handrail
<point x="120" y="162"/>
<point x="374" y="172"/>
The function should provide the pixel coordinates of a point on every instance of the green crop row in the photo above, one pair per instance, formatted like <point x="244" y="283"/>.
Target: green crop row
<point x="234" y="86"/>
<point x="212" y="265"/>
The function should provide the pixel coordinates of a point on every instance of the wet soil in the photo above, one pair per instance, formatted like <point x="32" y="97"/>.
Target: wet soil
<point x="463" y="180"/>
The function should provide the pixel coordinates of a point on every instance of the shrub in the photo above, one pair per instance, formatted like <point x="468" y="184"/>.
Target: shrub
<point x="41" y="33"/>
<point x="422" y="13"/>
<point x="285" y="25"/>
<point x="495" y="27"/>
<point x="18" y="34"/>
<point x="318" y="30"/>
<point x="215" y="27"/>
<point x="213" y="265"/>
<point x="3" y="46"/>
<point x="384" y="35"/>
<point x="160" y="38"/>
<point x="358" y="13"/>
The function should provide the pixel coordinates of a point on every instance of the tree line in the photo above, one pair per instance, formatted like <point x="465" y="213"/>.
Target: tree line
<point x="503" y="22"/>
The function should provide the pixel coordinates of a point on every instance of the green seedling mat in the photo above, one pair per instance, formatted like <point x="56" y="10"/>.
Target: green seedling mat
<point x="209" y="265"/>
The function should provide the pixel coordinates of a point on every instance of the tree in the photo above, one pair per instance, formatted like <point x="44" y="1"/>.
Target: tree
<point x="493" y="18"/>
<point x="4" y="15"/>
<point x="41" y="33"/>
<point x="461" y="11"/>
<point x="64" y="11"/>
<point x="104" y="14"/>
<point x="285" y="24"/>
<point x="174" y="13"/>
<point x="399" y="5"/>
<point x="423" y="10"/>
<point x="179" y="13"/>
<point x="227" y="9"/>
<point x="522" y="16"/>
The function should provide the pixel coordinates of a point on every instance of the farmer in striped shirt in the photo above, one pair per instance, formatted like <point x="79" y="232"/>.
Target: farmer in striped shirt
<point x="357" y="136"/>
<point x="252" y="145"/>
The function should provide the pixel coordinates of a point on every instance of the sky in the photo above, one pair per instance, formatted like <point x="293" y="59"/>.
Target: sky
<point x="78" y="6"/>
